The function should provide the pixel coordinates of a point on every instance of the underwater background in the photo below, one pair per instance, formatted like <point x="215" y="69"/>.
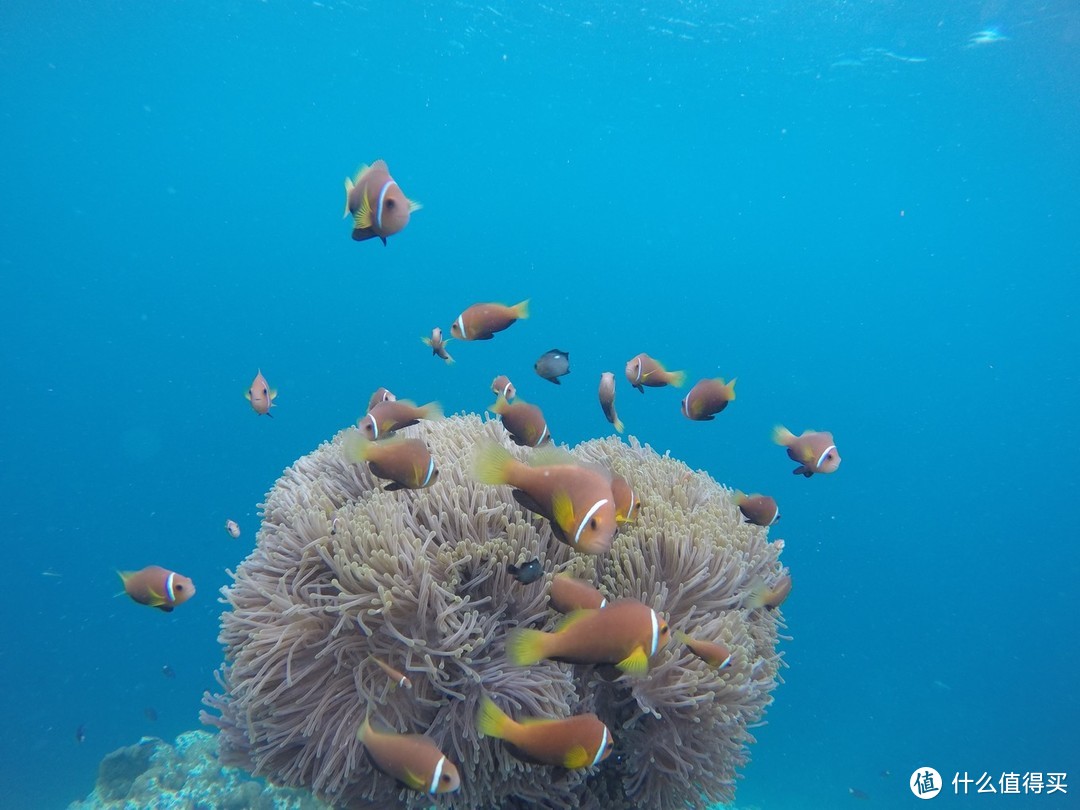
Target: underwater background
<point x="867" y="212"/>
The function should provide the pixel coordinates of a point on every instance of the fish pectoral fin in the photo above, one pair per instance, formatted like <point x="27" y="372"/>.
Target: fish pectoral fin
<point x="362" y="218"/>
<point x="273" y="394"/>
<point x="562" y="509"/>
<point x="349" y="186"/>
<point x="636" y="663"/>
<point x="414" y="206"/>
<point x="247" y="394"/>
<point x="576" y="757"/>
<point x="394" y="486"/>
<point x="413" y="780"/>
<point x="166" y="608"/>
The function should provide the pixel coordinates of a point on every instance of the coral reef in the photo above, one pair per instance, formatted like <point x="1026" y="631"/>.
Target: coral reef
<point x="153" y="775"/>
<point x="343" y="570"/>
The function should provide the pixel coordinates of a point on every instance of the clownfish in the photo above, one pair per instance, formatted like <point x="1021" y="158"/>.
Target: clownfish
<point x="502" y="387"/>
<point x="380" y="395"/>
<point x="761" y="510"/>
<point x="712" y="653"/>
<point x="399" y="679"/>
<point x="524" y="422"/>
<point x="626" y="633"/>
<point x="568" y="594"/>
<point x="482" y="321"/>
<point x="607" y="400"/>
<point x="576" y="500"/>
<point x="627" y="505"/>
<point x="406" y="463"/>
<point x="412" y="759"/>
<point x="157" y="587"/>
<point x="575" y="742"/>
<point x="261" y="395"/>
<point x="386" y="417"/>
<point x="438" y="345"/>
<point x="233" y="528"/>
<point x="642" y="370"/>
<point x="815" y="451"/>
<point x="377" y="204"/>
<point x="761" y="595"/>
<point x="707" y="398"/>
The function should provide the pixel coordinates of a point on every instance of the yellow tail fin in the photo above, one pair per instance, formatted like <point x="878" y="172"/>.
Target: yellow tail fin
<point x="782" y="436"/>
<point x="522" y="309"/>
<point x="677" y="378"/>
<point x="491" y="721"/>
<point x="492" y="463"/>
<point x="525" y="647"/>
<point x="355" y="446"/>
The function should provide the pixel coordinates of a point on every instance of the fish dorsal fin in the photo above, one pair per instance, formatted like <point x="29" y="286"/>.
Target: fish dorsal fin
<point x="550" y="456"/>
<point x="576" y="757"/>
<point x="380" y="165"/>
<point x="636" y="663"/>
<point x="360" y="173"/>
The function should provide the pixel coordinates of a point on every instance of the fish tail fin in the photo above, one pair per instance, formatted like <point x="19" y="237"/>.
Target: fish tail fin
<point x="521" y="310"/>
<point x="431" y="411"/>
<point x="681" y="637"/>
<point x="619" y="426"/>
<point x="782" y="436"/>
<point x="759" y="594"/>
<point x="499" y="405"/>
<point x="677" y="378"/>
<point x="739" y="497"/>
<point x="525" y="647"/>
<point x="426" y="341"/>
<point x="491" y="721"/>
<point x="349" y="186"/>
<point x="355" y="446"/>
<point x="492" y="465"/>
<point x="730" y="387"/>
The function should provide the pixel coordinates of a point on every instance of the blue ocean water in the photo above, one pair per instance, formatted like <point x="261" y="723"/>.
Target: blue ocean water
<point x="869" y="219"/>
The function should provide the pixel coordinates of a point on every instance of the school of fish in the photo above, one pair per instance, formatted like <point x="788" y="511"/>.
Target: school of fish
<point x="583" y="505"/>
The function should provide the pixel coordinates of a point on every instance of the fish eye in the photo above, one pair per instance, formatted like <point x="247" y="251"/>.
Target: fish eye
<point x="828" y="456"/>
<point x="444" y="778"/>
<point x="390" y="203"/>
<point x="663" y="629"/>
<point x="592" y="523"/>
<point x="179" y="586"/>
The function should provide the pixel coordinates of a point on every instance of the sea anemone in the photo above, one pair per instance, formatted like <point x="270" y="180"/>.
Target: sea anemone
<point x="344" y="570"/>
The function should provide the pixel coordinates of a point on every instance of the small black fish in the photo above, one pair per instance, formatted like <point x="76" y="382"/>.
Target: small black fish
<point x="151" y="713"/>
<point x="855" y="793"/>
<point x="552" y="365"/>
<point x="80" y="734"/>
<point x="168" y="671"/>
<point x="527" y="572"/>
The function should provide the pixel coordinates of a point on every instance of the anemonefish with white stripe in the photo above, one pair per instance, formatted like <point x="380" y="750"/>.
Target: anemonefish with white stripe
<point x="157" y="587"/>
<point x="606" y="393"/>
<point x="438" y="345"/>
<point x="713" y="653"/>
<point x="482" y="321"/>
<point x="627" y="504"/>
<point x="386" y="417"/>
<point x="380" y="395"/>
<point x="399" y="679"/>
<point x="575" y="742"/>
<point x="413" y="759"/>
<point x="567" y="594"/>
<point x="524" y="422"/>
<point x="376" y="203"/>
<point x="261" y="395"/>
<point x="815" y="451"/>
<point x="626" y="633"/>
<point x="761" y="595"/>
<point x="761" y="510"/>
<point x="642" y="370"/>
<point x="406" y="463"/>
<point x="707" y="398"/>
<point x="576" y="500"/>
<point x="501" y="386"/>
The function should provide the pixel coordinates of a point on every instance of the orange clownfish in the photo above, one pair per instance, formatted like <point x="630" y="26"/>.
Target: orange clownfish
<point x="406" y="463"/>
<point x="607" y="400"/>
<point x="576" y="500"/>
<point x="413" y="759"/>
<point x="761" y="510"/>
<point x="376" y="202"/>
<point x="380" y="395"/>
<point x="626" y="633"/>
<point x="482" y="321"/>
<point x="714" y="654"/>
<point x="399" y="679"/>
<point x="642" y="370"/>
<point x="761" y="595"/>
<point x="575" y="742"/>
<point x="627" y="504"/>
<point x="157" y="587"/>
<point x="233" y="528"/>
<point x="261" y="395"/>
<point x="386" y="417"/>
<point x="567" y="594"/>
<point x="815" y="451"/>
<point x="707" y="398"/>
<point x="524" y="422"/>
<point x="438" y="345"/>
<point x="501" y="386"/>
